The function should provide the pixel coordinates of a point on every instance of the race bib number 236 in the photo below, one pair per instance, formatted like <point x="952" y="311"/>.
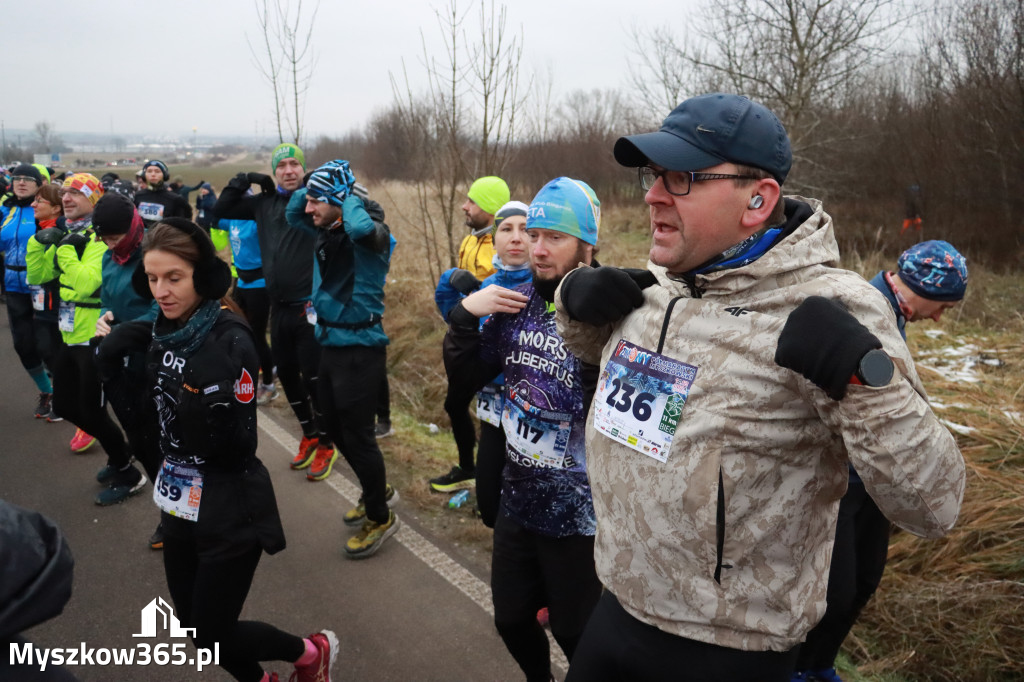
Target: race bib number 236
<point x="640" y="396"/>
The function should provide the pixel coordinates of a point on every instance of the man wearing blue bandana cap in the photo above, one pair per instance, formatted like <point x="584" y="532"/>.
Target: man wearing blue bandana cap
<point x="352" y="252"/>
<point x="930" y="278"/>
<point x="738" y="379"/>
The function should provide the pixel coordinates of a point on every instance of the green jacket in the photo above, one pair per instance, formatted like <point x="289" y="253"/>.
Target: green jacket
<point x="79" y="278"/>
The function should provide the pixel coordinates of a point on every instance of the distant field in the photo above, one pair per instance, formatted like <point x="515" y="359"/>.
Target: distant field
<point x="217" y="174"/>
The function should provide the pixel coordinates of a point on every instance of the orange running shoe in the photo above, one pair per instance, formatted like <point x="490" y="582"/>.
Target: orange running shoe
<point x="325" y="458"/>
<point x="307" y="448"/>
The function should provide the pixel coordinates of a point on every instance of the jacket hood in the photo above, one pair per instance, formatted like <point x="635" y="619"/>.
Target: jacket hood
<point x="810" y="241"/>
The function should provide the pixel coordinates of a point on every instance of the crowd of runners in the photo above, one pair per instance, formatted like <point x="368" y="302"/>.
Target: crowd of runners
<point x="690" y="468"/>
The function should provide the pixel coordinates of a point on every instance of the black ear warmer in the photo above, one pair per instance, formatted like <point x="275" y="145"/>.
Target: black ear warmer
<point x="211" y="277"/>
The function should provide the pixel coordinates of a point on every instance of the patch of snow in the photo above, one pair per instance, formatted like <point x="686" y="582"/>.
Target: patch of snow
<point x="959" y="428"/>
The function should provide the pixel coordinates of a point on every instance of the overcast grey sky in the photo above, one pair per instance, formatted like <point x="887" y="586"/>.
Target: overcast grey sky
<point x="164" y="67"/>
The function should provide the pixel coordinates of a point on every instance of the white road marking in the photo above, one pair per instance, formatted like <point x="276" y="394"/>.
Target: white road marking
<point x="460" y="578"/>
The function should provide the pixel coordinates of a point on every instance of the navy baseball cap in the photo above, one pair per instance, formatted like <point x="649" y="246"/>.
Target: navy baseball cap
<point x="711" y="129"/>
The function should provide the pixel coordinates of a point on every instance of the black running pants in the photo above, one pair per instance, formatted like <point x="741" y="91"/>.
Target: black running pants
<point x="255" y="303"/>
<point x="349" y="382"/>
<point x="858" y="560"/>
<point x="490" y="463"/>
<point x="297" y="354"/>
<point x="456" y="406"/>
<point x="617" y="647"/>
<point x="530" y="571"/>
<point x="209" y="595"/>
<point x="19" y="315"/>
<point x="78" y="397"/>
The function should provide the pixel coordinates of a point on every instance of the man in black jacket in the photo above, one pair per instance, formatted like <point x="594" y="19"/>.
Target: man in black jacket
<point x="156" y="202"/>
<point x="288" y="270"/>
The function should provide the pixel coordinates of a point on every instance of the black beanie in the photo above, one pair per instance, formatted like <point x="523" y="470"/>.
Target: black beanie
<point x="29" y="170"/>
<point x="113" y="214"/>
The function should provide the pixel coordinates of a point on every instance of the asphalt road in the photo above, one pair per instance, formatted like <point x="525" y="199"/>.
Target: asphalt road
<point x="411" y="612"/>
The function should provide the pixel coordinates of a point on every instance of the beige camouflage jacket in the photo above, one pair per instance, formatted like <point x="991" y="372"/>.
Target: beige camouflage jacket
<point x="777" y="443"/>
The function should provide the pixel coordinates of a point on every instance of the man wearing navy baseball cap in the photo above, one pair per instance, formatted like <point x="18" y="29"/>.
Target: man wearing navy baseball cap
<point x="739" y="375"/>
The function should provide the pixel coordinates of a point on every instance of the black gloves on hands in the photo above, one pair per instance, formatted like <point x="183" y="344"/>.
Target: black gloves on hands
<point x="464" y="281"/>
<point x="825" y="343"/>
<point x="79" y="240"/>
<point x="265" y="182"/>
<point x="50" y="236"/>
<point x="240" y="182"/>
<point x="602" y="295"/>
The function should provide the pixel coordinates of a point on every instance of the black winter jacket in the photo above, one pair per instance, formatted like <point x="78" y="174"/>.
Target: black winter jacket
<point x="287" y="253"/>
<point x="206" y="409"/>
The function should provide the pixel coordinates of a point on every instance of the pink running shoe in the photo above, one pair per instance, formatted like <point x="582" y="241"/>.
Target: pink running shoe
<point x="81" y="441"/>
<point x="326" y="643"/>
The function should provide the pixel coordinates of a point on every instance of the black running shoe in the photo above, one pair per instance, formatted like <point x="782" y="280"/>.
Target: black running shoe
<point x="456" y="479"/>
<point x="43" y="407"/>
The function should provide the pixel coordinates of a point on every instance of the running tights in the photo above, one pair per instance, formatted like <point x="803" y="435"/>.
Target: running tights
<point x="209" y="595"/>
<point x="78" y="397"/>
<point x="298" y="361"/>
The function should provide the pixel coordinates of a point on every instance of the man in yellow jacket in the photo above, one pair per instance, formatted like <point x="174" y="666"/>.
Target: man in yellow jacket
<point x="476" y="253"/>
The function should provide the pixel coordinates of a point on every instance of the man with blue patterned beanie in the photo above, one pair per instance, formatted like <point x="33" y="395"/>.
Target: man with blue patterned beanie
<point x="544" y="530"/>
<point x="351" y="257"/>
<point x="930" y="278"/>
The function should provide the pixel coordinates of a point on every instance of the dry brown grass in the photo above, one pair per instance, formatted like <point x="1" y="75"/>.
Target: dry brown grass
<point x="948" y="609"/>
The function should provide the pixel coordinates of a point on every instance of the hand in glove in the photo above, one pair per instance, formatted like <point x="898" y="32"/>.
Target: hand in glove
<point x="464" y="282"/>
<point x="50" y="236"/>
<point x="240" y="182"/>
<point x="599" y="296"/>
<point x="78" y="240"/>
<point x="265" y="182"/>
<point x="825" y="343"/>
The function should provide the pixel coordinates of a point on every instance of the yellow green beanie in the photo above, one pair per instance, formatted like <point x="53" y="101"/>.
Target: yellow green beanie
<point x="285" y="151"/>
<point x="489" y="193"/>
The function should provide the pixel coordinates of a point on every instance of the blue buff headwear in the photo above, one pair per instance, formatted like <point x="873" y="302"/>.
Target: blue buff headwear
<point x="331" y="182"/>
<point x="566" y="205"/>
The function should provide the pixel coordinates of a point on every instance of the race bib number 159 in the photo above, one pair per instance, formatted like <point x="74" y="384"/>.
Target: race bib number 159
<point x="640" y="396"/>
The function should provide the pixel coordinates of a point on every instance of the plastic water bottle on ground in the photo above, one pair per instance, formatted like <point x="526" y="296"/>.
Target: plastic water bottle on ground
<point x="457" y="499"/>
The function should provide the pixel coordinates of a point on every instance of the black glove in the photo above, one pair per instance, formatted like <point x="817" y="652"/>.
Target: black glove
<point x="240" y="182"/>
<point x="124" y="339"/>
<point x="464" y="282"/>
<point x="602" y="295"/>
<point x="79" y="240"/>
<point x="825" y="343"/>
<point x="50" y="236"/>
<point x="265" y="182"/>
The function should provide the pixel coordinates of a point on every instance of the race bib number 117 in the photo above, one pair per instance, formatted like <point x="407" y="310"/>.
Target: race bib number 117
<point x="640" y="397"/>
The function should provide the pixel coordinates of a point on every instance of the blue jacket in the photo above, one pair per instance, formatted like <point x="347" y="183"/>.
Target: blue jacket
<point x="245" y="253"/>
<point x="18" y="224"/>
<point x="446" y="296"/>
<point x="350" y="265"/>
<point x="878" y="282"/>
<point x="117" y="294"/>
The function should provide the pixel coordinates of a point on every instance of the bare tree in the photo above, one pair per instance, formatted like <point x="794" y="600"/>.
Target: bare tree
<point x="472" y="100"/>
<point x="286" y="59"/>
<point x="271" y="67"/>
<point x="799" y="57"/>
<point x="46" y="137"/>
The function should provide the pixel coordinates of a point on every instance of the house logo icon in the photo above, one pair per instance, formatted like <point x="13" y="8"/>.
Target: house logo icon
<point x="159" y="612"/>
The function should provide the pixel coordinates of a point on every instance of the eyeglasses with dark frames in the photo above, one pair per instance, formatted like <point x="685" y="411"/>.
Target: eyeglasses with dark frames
<point x="678" y="183"/>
